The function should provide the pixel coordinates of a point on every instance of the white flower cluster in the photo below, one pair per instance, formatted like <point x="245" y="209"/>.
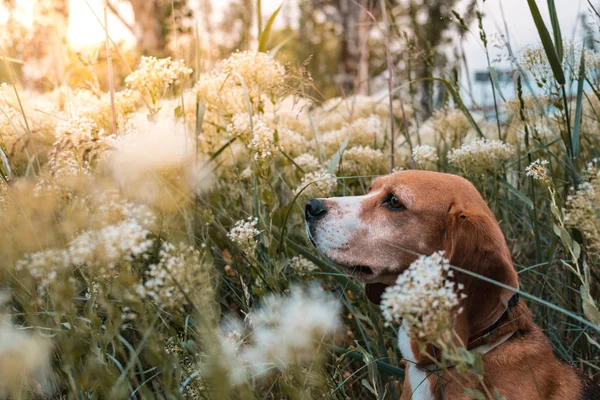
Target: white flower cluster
<point x="157" y="75"/>
<point x="339" y="110"/>
<point x="319" y="183"/>
<point x="45" y="267"/>
<point x="308" y="162"/>
<point x="537" y="171"/>
<point x="292" y="142"/>
<point x="263" y="141"/>
<point x="244" y="233"/>
<point x="423" y="298"/>
<point x="283" y="332"/>
<point x="481" y="156"/>
<point x="79" y="130"/>
<point x="222" y="90"/>
<point x="106" y="247"/>
<point x="260" y="72"/>
<point x="425" y="155"/>
<point x="87" y="104"/>
<point x="240" y="126"/>
<point x="302" y="266"/>
<point x="123" y="235"/>
<point x="583" y="205"/>
<point x="172" y="277"/>
<point x="362" y="160"/>
<point x="64" y="164"/>
<point x="363" y="132"/>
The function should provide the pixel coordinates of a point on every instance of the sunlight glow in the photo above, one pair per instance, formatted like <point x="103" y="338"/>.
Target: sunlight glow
<point x="84" y="28"/>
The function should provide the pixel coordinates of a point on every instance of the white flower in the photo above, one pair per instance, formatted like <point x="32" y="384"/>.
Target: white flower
<point x="317" y="184"/>
<point x="302" y="266"/>
<point x="481" y="156"/>
<point x="362" y="160"/>
<point x="157" y="75"/>
<point x="423" y="298"/>
<point x="363" y="132"/>
<point x="292" y="142"/>
<point x="260" y="71"/>
<point x="108" y="246"/>
<point x="308" y="162"/>
<point x="79" y="130"/>
<point x="425" y="155"/>
<point x="283" y="331"/>
<point x="289" y="330"/>
<point x="24" y="363"/>
<point x="244" y="235"/>
<point x="537" y="171"/>
<point x="222" y="90"/>
<point x="263" y="141"/>
<point x="45" y="267"/>
<point x="177" y="276"/>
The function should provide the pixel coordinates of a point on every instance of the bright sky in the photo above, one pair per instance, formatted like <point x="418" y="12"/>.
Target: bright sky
<point x="84" y="29"/>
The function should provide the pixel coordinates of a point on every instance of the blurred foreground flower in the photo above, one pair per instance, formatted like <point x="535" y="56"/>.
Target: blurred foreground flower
<point x="423" y="299"/>
<point x="24" y="362"/>
<point x="283" y="332"/>
<point x="157" y="165"/>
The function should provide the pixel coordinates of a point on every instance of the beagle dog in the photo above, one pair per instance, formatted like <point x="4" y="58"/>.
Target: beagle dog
<point x="377" y="236"/>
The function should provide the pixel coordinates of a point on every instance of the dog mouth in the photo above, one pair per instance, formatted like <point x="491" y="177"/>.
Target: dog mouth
<point x="358" y="270"/>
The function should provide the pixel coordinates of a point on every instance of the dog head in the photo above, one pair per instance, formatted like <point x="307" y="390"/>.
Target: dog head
<point x="378" y="235"/>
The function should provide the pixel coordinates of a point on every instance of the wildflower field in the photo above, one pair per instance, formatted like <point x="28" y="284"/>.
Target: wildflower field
<point x="153" y="241"/>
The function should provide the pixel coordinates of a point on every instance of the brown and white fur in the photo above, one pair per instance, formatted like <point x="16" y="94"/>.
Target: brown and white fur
<point x="432" y="211"/>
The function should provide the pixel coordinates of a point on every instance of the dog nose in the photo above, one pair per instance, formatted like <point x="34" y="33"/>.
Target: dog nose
<point x="314" y="210"/>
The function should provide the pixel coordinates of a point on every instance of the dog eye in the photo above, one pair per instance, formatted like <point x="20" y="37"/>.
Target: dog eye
<point x="394" y="203"/>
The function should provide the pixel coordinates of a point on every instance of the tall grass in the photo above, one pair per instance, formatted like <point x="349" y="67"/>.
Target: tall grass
<point x="133" y="255"/>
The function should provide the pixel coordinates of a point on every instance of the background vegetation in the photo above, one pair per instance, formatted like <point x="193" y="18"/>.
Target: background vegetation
<point x="153" y="239"/>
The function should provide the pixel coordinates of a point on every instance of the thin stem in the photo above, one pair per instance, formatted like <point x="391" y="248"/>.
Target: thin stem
<point x="111" y="83"/>
<point x="390" y="90"/>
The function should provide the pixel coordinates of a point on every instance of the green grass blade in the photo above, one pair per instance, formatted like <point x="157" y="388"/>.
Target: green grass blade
<point x="579" y="109"/>
<point x="219" y="151"/>
<point x="556" y="30"/>
<point x="263" y="40"/>
<point x="315" y="130"/>
<point x="458" y="101"/>
<point x="495" y="82"/>
<point x="526" y="200"/>
<point x="200" y="111"/>
<point x="4" y="158"/>
<point x="337" y="157"/>
<point x="546" y="39"/>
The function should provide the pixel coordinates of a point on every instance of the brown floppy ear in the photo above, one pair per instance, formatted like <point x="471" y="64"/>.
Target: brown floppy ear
<point x="475" y="243"/>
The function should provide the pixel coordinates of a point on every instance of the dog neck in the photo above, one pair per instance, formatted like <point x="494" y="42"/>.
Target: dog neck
<point x="423" y="374"/>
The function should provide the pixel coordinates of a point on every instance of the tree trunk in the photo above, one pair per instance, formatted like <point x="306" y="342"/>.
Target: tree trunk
<point x="364" y="28"/>
<point x="46" y="56"/>
<point x="148" y="26"/>
<point x="354" y="52"/>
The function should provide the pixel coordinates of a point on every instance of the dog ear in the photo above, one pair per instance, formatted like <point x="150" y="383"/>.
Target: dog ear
<point x="475" y="243"/>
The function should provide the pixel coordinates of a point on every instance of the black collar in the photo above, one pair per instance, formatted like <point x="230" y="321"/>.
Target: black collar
<point x="512" y="302"/>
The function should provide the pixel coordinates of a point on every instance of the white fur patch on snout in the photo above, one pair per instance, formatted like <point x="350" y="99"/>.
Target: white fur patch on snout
<point x="337" y="228"/>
